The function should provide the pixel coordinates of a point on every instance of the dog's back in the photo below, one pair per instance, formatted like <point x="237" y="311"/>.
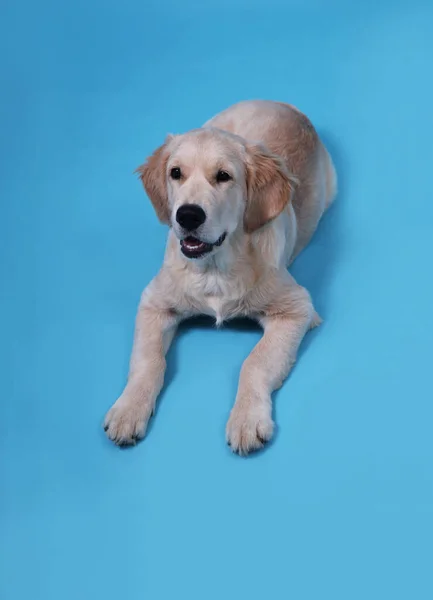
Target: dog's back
<point x="288" y="133"/>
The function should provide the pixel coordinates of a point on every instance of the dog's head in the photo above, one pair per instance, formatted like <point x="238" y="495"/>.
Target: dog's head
<point x="208" y="184"/>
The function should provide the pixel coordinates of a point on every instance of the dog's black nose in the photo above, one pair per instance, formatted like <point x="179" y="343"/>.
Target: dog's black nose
<point x="190" y="216"/>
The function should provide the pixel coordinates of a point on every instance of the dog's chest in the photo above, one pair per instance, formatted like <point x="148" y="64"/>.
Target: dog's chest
<point x="216" y="295"/>
<point x="217" y="308"/>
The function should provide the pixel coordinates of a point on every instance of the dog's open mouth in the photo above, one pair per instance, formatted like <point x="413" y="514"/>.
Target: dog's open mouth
<point x="192" y="247"/>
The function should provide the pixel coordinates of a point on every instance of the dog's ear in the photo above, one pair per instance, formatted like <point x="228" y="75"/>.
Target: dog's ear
<point x="153" y="177"/>
<point x="269" y="187"/>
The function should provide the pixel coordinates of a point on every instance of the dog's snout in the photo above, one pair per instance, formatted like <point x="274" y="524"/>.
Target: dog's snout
<point x="190" y="216"/>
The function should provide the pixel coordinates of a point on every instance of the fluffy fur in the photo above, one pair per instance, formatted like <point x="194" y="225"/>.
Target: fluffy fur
<point x="282" y="180"/>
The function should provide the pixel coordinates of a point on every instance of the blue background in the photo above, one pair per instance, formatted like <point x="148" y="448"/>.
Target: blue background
<point x="340" y="506"/>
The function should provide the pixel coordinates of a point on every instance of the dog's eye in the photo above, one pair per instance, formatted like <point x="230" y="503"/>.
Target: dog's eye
<point x="222" y="176"/>
<point x="175" y="173"/>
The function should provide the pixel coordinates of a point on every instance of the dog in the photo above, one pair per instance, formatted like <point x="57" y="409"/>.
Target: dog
<point x="242" y="196"/>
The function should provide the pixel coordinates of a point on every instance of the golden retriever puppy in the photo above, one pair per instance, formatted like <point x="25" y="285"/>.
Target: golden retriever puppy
<point x="242" y="196"/>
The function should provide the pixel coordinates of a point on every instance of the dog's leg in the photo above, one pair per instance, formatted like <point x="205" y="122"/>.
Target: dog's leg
<point x="126" y="421"/>
<point x="250" y="424"/>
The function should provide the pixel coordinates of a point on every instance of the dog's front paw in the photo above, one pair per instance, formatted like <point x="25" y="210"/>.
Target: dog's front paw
<point x="250" y="426"/>
<point x="126" y="421"/>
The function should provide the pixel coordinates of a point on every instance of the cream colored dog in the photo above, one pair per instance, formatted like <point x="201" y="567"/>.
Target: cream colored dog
<point x="242" y="196"/>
